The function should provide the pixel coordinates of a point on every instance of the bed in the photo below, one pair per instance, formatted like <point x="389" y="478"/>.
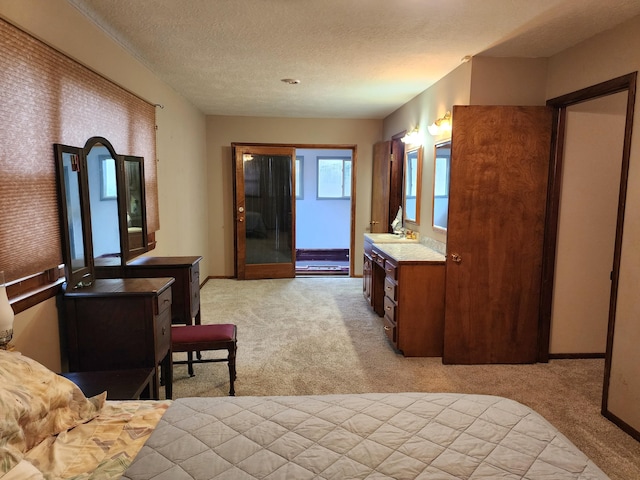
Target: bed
<point x="50" y="431"/>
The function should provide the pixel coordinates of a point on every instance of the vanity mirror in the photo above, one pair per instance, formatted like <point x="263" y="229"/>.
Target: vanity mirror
<point x="412" y="184"/>
<point x="102" y="208"/>
<point x="442" y="163"/>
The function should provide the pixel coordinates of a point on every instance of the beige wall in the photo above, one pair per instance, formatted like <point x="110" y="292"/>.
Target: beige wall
<point x="587" y="225"/>
<point x="181" y="149"/>
<point x="223" y="130"/>
<point x="508" y="81"/>
<point x="423" y="110"/>
<point x="606" y="56"/>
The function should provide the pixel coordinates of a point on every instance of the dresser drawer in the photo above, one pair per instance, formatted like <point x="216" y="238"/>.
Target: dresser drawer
<point x="390" y="288"/>
<point x="390" y="330"/>
<point x="163" y="334"/>
<point x="379" y="259"/>
<point x="391" y="269"/>
<point x="389" y="309"/>
<point x="163" y="302"/>
<point x="195" y="290"/>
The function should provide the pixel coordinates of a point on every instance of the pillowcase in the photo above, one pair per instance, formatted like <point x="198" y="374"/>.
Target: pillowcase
<point x="34" y="404"/>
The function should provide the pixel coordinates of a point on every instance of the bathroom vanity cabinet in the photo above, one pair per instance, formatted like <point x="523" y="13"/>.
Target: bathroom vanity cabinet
<point x="406" y="288"/>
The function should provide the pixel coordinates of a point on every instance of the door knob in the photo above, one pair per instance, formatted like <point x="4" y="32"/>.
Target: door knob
<point x="456" y="258"/>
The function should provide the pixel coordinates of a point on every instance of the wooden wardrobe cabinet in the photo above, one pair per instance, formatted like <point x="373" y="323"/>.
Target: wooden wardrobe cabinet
<point x="413" y="303"/>
<point x="120" y="324"/>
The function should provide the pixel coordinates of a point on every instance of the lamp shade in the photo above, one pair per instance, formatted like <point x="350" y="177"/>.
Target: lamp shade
<point x="6" y="314"/>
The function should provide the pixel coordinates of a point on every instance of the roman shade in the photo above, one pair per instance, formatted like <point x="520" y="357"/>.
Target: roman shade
<point x="46" y="98"/>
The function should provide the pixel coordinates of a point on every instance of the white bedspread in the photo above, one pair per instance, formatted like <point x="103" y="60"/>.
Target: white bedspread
<point x="369" y="436"/>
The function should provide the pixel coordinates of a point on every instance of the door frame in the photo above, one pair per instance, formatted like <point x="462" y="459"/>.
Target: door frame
<point x="560" y="104"/>
<point x="243" y="270"/>
<point x="319" y="146"/>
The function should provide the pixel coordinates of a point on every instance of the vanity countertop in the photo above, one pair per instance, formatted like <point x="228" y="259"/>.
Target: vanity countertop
<point x="410" y="252"/>
<point x="388" y="238"/>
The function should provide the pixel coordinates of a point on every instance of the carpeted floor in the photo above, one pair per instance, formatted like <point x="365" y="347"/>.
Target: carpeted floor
<point x="317" y="335"/>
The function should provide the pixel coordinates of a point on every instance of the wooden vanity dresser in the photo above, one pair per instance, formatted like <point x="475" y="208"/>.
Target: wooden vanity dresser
<point x="120" y="324"/>
<point x="185" y="306"/>
<point x="406" y="288"/>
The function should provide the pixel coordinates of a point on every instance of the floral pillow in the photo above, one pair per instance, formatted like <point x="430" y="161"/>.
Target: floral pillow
<point x="34" y="404"/>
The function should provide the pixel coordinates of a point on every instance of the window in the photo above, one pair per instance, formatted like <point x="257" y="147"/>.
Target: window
<point x="299" y="178"/>
<point x="31" y="251"/>
<point x="334" y="178"/>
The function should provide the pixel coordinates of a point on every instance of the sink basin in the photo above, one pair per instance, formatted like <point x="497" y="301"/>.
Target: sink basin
<point x="388" y="238"/>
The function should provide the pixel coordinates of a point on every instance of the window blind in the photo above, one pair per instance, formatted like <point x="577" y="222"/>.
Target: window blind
<point x="46" y="98"/>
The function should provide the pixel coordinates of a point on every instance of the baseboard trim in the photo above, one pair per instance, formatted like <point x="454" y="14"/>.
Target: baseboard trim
<point x="566" y="356"/>
<point x="624" y="426"/>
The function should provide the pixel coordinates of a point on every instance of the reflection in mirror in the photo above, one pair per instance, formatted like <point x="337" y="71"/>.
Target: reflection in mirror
<point x="76" y="240"/>
<point x="136" y="218"/>
<point x="74" y="213"/>
<point x="412" y="184"/>
<point x="442" y="164"/>
<point x="108" y="185"/>
<point x="103" y="200"/>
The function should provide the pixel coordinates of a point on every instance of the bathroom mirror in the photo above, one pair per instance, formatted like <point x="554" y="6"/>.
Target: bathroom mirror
<point x="442" y="167"/>
<point x="102" y="208"/>
<point x="412" y="184"/>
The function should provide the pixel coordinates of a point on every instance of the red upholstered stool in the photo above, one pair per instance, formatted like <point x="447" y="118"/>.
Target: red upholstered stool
<point x="195" y="338"/>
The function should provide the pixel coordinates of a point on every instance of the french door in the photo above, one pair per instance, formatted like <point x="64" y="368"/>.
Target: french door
<point x="264" y="211"/>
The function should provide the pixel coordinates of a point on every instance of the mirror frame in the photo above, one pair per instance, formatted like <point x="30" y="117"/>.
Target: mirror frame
<point x="441" y="144"/>
<point x="131" y="251"/>
<point x="120" y="195"/>
<point x="414" y="222"/>
<point x="85" y="276"/>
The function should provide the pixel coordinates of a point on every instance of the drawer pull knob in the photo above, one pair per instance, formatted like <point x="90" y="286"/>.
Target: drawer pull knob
<point x="164" y="330"/>
<point x="456" y="258"/>
<point x="389" y="308"/>
<point x="387" y="328"/>
<point x="389" y="289"/>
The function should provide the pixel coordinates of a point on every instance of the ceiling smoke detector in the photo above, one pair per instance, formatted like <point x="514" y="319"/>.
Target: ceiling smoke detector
<point x="290" y="81"/>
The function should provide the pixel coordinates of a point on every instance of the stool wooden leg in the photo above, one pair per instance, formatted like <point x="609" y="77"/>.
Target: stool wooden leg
<point x="190" y="363"/>
<point x="197" y="322"/>
<point x="232" y="369"/>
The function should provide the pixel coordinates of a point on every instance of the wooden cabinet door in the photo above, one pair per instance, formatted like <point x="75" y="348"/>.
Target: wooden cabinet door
<point x="381" y="175"/>
<point x="499" y="170"/>
<point x="387" y="184"/>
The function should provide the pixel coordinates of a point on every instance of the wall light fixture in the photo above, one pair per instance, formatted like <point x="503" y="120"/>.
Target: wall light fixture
<point x="441" y="125"/>
<point x="412" y="137"/>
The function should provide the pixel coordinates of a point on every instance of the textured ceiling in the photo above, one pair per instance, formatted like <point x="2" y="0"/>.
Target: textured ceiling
<point x="354" y="58"/>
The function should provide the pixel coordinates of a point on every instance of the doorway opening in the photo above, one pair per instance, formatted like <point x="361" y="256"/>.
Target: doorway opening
<point x="618" y="99"/>
<point x="323" y="211"/>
